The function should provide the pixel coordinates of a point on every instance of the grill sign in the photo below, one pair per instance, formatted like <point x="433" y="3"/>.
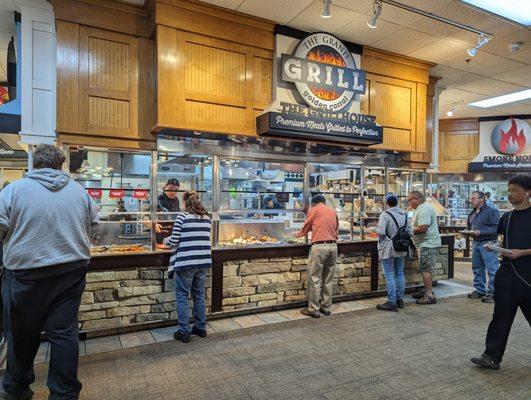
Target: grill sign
<point x="324" y="72"/>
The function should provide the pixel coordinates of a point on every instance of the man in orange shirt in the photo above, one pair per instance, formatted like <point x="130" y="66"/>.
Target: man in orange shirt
<point x="322" y="221"/>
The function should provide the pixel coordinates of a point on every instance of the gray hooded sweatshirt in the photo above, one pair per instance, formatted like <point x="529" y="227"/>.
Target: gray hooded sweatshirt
<point x="46" y="219"/>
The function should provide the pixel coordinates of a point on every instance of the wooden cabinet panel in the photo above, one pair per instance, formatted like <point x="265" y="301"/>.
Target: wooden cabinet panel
<point x="224" y="83"/>
<point x="108" y="78"/>
<point x="67" y="76"/>
<point x="263" y="78"/>
<point x="215" y="72"/>
<point x="394" y="104"/>
<point x="458" y="144"/>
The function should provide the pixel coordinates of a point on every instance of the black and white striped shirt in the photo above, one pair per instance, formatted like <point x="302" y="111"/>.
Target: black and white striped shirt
<point x="190" y="240"/>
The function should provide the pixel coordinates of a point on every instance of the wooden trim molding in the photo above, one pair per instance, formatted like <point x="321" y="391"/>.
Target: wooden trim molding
<point x="76" y="139"/>
<point x="105" y="14"/>
<point x="458" y="124"/>
<point x="215" y="22"/>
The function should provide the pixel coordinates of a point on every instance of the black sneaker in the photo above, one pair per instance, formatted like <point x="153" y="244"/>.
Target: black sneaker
<point x="486" y="362"/>
<point x="25" y="395"/>
<point x="308" y="313"/>
<point x="475" y="295"/>
<point x="387" y="307"/>
<point x="182" y="337"/>
<point x="325" y="312"/>
<point x="400" y="303"/>
<point x="199" y="332"/>
<point x="419" y="294"/>
<point x="488" y="299"/>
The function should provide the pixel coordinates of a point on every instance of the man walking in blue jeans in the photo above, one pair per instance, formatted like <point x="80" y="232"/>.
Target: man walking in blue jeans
<point x="483" y="222"/>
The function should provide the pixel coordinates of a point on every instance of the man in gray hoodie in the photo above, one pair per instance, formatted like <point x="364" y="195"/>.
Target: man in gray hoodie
<point x="46" y="222"/>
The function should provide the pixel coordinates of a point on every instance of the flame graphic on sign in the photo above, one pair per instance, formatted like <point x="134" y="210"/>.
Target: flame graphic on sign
<point x="512" y="138"/>
<point x="326" y="58"/>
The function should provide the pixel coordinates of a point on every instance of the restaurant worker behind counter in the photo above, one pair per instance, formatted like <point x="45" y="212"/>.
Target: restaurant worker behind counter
<point x="322" y="221"/>
<point x="167" y="202"/>
<point x="512" y="286"/>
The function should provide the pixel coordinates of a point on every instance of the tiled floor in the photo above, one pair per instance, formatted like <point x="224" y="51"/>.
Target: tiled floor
<point x="421" y="352"/>
<point x="110" y="343"/>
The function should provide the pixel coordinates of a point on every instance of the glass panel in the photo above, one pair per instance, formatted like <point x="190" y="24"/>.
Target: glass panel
<point x="260" y="185"/>
<point x="341" y="186"/>
<point x="119" y="184"/>
<point x="178" y="173"/>
<point x="266" y="227"/>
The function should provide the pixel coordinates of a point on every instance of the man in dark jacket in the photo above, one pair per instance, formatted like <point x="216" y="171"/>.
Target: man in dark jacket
<point x="46" y="222"/>
<point x="168" y="201"/>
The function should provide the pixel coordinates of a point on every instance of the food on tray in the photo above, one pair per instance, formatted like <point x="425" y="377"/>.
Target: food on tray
<point x="246" y="240"/>
<point x="160" y="246"/>
<point x="117" y="249"/>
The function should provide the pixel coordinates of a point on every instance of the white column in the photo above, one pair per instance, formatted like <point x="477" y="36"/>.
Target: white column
<point x="38" y="61"/>
<point x="434" y="166"/>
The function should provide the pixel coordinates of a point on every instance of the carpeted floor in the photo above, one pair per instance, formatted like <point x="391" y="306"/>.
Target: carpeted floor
<point x="421" y="352"/>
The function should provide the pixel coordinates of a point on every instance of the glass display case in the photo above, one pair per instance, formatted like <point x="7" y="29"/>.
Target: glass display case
<point x="260" y="202"/>
<point x="253" y="198"/>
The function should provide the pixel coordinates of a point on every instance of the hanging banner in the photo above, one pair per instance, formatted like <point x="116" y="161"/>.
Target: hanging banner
<point x="116" y="193"/>
<point x="140" y="194"/>
<point x="95" y="193"/>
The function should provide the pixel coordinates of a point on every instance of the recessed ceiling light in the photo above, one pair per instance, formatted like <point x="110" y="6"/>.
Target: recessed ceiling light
<point x="515" y="10"/>
<point x="506" y="98"/>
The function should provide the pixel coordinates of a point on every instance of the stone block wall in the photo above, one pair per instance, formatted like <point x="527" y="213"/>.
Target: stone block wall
<point x="275" y="281"/>
<point x="411" y="268"/>
<point x="119" y="298"/>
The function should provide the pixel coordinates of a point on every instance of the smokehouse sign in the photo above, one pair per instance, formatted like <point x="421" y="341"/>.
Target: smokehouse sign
<point x="509" y="148"/>
<point x="325" y="75"/>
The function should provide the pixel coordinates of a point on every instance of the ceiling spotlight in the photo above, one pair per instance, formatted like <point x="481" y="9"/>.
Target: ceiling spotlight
<point x="326" y="9"/>
<point x="372" y="23"/>
<point x="482" y="41"/>
<point x="451" y="111"/>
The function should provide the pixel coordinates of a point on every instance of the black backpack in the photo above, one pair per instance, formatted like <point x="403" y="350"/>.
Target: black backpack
<point x="402" y="239"/>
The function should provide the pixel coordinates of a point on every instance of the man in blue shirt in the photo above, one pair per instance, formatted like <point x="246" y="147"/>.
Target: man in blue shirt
<point x="483" y="222"/>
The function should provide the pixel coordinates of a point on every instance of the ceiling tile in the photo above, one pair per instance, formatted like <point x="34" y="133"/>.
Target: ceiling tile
<point x="398" y="15"/>
<point x="483" y="63"/>
<point x="500" y="45"/>
<point x="405" y="41"/>
<point x="515" y="108"/>
<point x="523" y="56"/>
<point x="438" y="50"/>
<point x="452" y="77"/>
<point x="520" y="76"/>
<point x="360" y="6"/>
<point x="310" y="19"/>
<point x="433" y="27"/>
<point x="466" y="111"/>
<point x="232" y="4"/>
<point x="491" y="87"/>
<point x="280" y="11"/>
<point x="427" y="5"/>
<point x="458" y="96"/>
<point x="459" y="12"/>
<point x="358" y="31"/>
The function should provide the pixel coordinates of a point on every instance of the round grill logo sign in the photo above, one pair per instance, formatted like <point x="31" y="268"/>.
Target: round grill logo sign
<point x="511" y="136"/>
<point x="324" y="72"/>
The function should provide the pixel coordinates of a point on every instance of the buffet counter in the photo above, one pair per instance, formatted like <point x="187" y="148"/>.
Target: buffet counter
<point x="128" y="292"/>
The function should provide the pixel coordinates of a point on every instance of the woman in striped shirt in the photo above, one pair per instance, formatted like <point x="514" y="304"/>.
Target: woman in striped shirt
<point x="190" y="261"/>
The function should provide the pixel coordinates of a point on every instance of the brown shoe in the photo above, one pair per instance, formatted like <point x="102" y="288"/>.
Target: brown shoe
<point x="308" y="313"/>
<point x="427" y="300"/>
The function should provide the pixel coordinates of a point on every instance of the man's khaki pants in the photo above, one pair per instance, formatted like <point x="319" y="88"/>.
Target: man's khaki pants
<point x="321" y="267"/>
